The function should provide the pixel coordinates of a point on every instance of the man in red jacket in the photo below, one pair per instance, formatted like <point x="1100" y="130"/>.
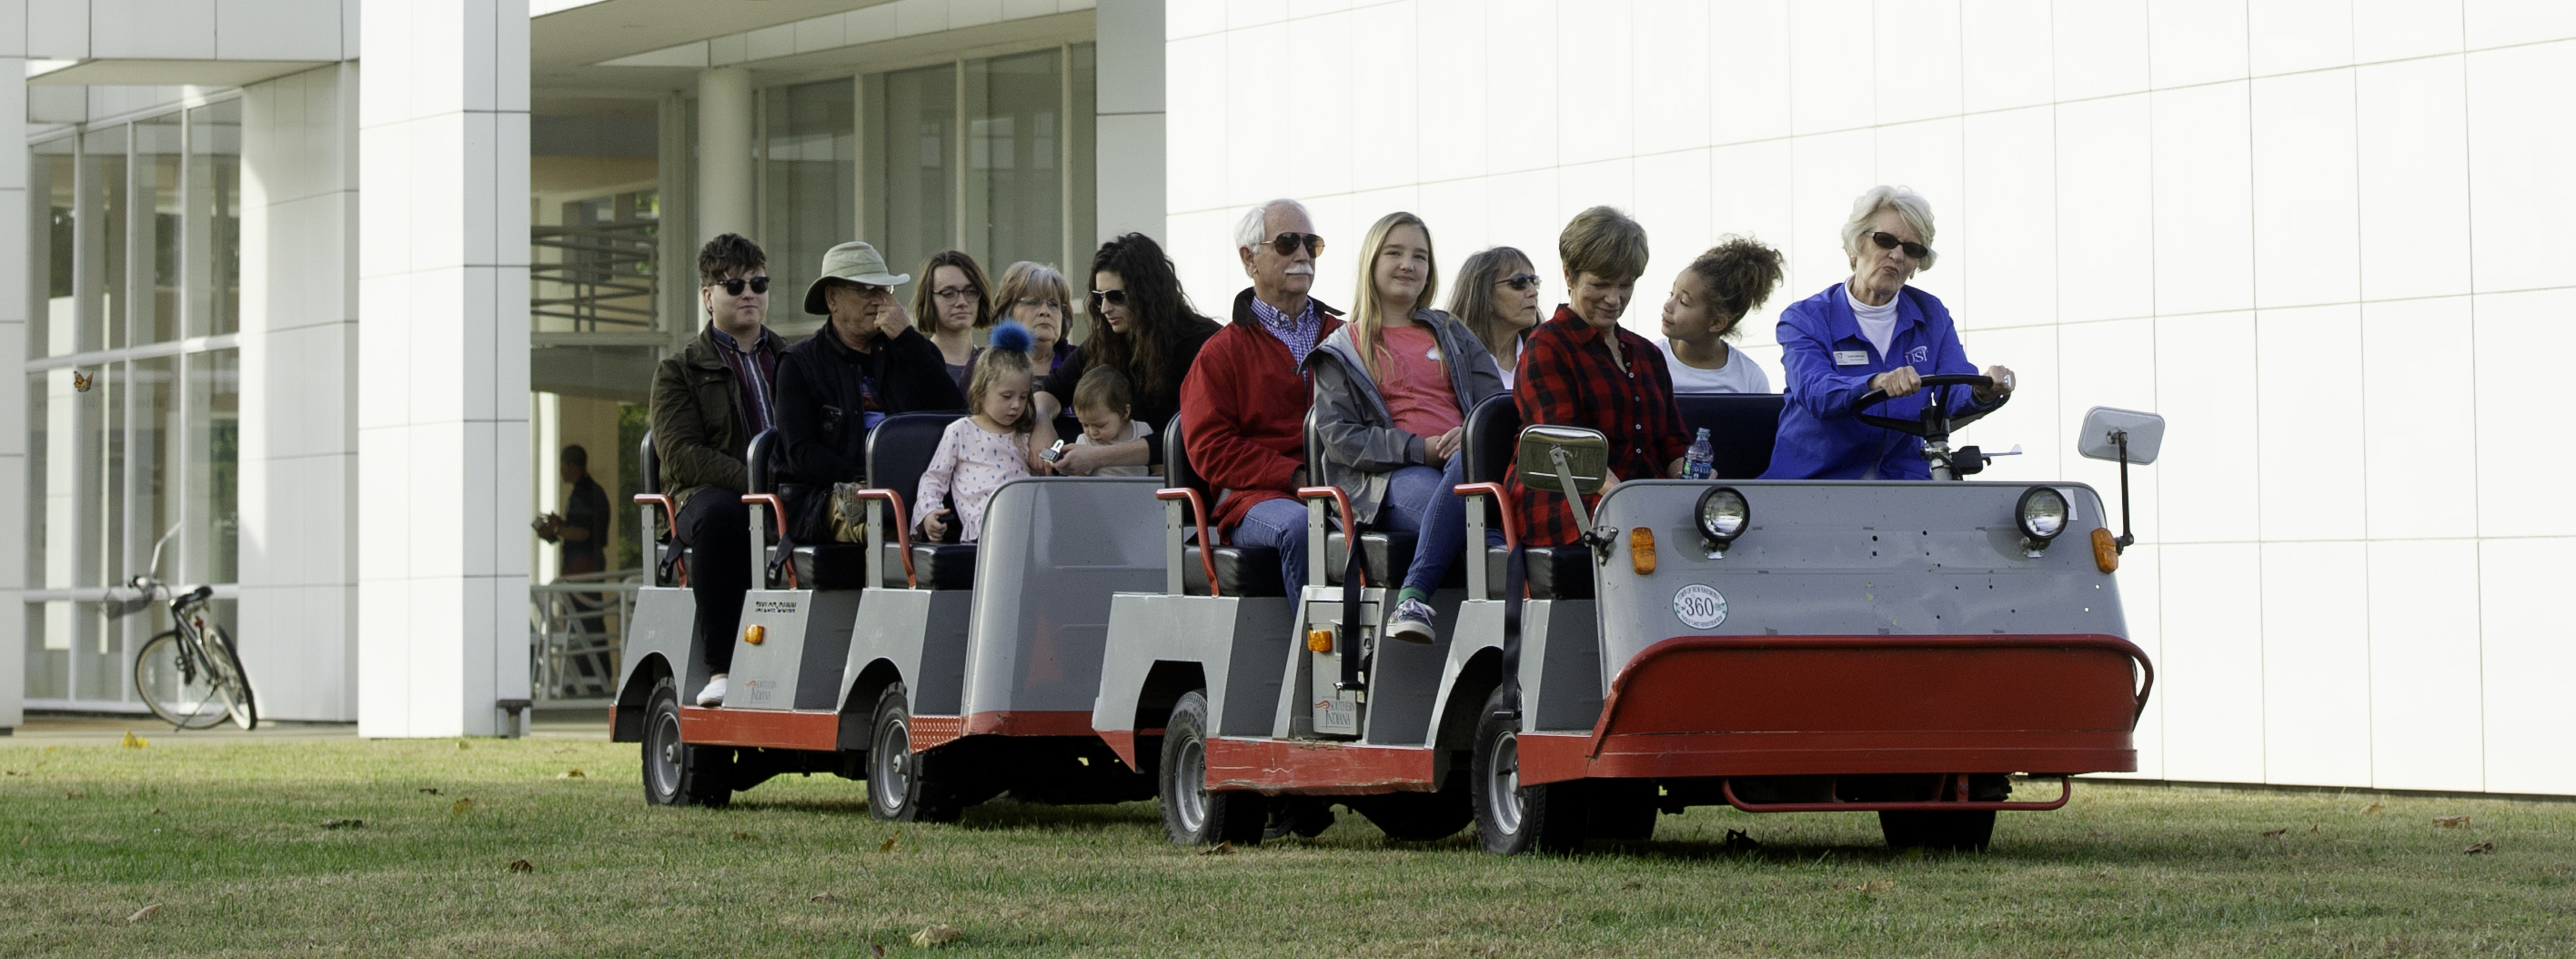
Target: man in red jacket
<point x="1243" y="407"/>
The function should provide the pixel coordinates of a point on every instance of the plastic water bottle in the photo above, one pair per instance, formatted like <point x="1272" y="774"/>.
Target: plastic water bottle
<point x="1701" y="461"/>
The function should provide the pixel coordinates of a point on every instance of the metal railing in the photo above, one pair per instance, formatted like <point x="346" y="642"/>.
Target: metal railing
<point x="576" y="626"/>
<point x="604" y="277"/>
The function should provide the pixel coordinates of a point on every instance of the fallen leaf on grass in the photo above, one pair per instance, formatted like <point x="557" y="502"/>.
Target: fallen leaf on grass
<point x="343" y="823"/>
<point x="1220" y="849"/>
<point x="743" y="837"/>
<point x="26" y="839"/>
<point x="2275" y="833"/>
<point x="144" y="913"/>
<point x="877" y="950"/>
<point x="888" y="845"/>
<point x="1875" y="885"/>
<point x="2479" y="849"/>
<point x="569" y="774"/>
<point x="432" y="790"/>
<point x="522" y="865"/>
<point x="1632" y="884"/>
<point x="459" y="807"/>
<point x="133" y="741"/>
<point x="1738" y="841"/>
<point x="936" y="934"/>
<point x="2373" y="809"/>
<point x="17" y="772"/>
<point x="156" y="810"/>
<point x="2450" y="822"/>
<point x="76" y="795"/>
<point x="822" y="897"/>
<point x="461" y="744"/>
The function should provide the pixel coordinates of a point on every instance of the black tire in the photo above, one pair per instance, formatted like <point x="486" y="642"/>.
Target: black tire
<point x="1512" y="819"/>
<point x="676" y="773"/>
<point x="1964" y="830"/>
<point x="903" y="785"/>
<point x="1192" y="814"/>
<point x="235" y="679"/>
<point x="177" y="686"/>
<point x="1623" y="809"/>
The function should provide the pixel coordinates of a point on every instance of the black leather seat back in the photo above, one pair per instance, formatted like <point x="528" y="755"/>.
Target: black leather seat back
<point x="1741" y="429"/>
<point x="661" y="554"/>
<point x="1493" y="428"/>
<point x="1240" y="570"/>
<point x="899" y="451"/>
<point x="755" y="460"/>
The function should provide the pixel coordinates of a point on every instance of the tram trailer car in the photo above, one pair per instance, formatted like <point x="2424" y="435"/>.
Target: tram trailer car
<point x="943" y="674"/>
<point x="1896" y="647"/>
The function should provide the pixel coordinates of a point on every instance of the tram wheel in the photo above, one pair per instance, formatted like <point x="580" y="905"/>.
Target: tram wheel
<point x="902" y="784"/>
<point x="676" y="773"/>
<point x="1193" y="815"/>
<point x="1511" y="818"/>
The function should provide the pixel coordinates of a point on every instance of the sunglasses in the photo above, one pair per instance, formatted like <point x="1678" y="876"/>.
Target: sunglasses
<point x="1287" y="243"/>
<point x="1521" y="282"/>
<point x="758" y="284"/>
<point x="1888" y="241"/>
<point x="1111" y="297"/>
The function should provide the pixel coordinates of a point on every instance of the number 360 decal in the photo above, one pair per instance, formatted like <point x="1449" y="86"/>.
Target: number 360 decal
<point x="1699" y="606"/>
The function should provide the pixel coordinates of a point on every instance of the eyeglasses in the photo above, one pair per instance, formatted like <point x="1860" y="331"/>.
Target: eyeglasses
<point x="1286" y="243"/>
<point x="1888" y="241"/>
<point x="733" y="287"/>
<point x="954" y="292"/>
<point x="1111" y="297"/>
<point x="1521" y="282"/>
<point x="1032" y="302"/>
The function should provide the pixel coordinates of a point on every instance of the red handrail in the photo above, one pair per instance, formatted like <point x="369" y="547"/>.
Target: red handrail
<point x="778" y="514"/>
<point x="1350" y="531"/>
<point x="902" y="531"/>
<point x="1207" y="544"/>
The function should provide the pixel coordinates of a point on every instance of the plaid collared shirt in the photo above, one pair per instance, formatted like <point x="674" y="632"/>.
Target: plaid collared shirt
<point x="755" y="372"/>
<point x="1567" y="378"/>
<point x="1299" y="333"/>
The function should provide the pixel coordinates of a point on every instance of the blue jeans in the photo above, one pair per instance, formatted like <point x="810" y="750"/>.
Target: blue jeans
<point x="1421" y="500"/>
<point x="1281" y="525"/>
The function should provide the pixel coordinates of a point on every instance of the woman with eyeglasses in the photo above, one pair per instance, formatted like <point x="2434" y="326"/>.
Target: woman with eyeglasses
<point x="1871" y="332"/>
<point x="949" y="306"/>
<point x="1497" y="298"/>
<point x="1037" y="296"/>
<point x="1145" y="330"/>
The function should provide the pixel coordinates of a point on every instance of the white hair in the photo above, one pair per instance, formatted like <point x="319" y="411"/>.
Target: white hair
<point x="1253" y="229"/>
<point x="1916" y="210"/>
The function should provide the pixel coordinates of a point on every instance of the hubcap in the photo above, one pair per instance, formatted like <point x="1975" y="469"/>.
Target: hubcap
<point x="1503" y="788"/>
<point x="892" y="781"/>
<point x="1189" y="786"/>
<point x="663" y="754"/>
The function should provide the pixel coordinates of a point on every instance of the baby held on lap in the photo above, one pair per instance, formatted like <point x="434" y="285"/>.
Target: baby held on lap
<point x="1102" y="402"/>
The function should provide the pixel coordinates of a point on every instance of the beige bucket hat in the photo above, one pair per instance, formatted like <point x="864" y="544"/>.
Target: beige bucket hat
<point x="853" y="261"/>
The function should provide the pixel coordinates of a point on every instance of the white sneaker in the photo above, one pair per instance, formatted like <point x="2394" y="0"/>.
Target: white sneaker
<point x="713" y="695"/>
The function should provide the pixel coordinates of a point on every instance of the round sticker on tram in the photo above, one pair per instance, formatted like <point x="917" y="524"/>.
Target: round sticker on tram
<point x="1699" y="606"/>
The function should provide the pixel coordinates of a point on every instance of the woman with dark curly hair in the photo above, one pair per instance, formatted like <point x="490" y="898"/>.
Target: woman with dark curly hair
<point x="1707" y="308"/>
<point x="1144" y="329"/>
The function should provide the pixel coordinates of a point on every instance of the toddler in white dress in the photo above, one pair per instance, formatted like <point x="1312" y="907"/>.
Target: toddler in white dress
<point x="983" y="451"/>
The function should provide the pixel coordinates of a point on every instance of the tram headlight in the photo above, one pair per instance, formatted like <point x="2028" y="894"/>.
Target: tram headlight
<point x="1723" y="515"/>
<point x="2042" y="515"/>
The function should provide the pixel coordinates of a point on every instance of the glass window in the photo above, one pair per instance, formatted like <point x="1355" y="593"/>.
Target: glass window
<point x="809" y="184"/>
<point x="52" y="200"/>
<point x="1014" y="159"/>
<point x="158" y="211"/>
<point x="214" y="468"/>
<point x="1082" y="176"/>
<point x="911" y="199"/>
<point x="76" y="481"/>
<point x="214" y="219"/>
<point x="103" y="245"/>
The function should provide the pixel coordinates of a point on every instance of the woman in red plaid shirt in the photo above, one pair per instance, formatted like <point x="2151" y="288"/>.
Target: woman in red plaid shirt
<point x="1582" y="369"/>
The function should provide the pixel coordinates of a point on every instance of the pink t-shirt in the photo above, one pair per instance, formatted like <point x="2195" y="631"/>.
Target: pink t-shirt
<point x="969" y="465"/>
<point x="1414" y="381"/>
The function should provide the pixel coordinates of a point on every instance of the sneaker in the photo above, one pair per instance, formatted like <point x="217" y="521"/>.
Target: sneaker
<point x="713" y="695"/>
<point x="1412" y="622"/>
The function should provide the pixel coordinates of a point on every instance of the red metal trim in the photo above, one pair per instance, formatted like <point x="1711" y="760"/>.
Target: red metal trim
<point x="2065" y="791"/>
<point x="1321" y="768"/>
<point x="814" y="729"/>
<point x="1198" y="512"/>
<point x="932" y="732"/>
<point x="902" y="531"/>
<point x="1511" y="520"/>
<point x="1122" y="742"/>
<point x="1342" y="501"/>
<point x="777" y="512"/>
<point x="1029" y="722"/>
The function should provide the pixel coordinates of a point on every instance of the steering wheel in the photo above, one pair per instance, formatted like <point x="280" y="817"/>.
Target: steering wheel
<point x="1935" y="421"/>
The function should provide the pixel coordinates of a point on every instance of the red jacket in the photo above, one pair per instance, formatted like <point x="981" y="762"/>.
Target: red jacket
<point x="1243" y="413"/>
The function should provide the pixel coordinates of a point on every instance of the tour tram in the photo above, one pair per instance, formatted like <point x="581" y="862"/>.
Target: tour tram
<point x="1776" y="646"/>
<point x="941" y="680"/>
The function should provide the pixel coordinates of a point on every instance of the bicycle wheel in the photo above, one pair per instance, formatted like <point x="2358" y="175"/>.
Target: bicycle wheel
<point x="231" y="679"/>
<point x="177" y="684"/>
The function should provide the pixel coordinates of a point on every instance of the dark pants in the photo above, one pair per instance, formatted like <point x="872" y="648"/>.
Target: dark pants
<point x="716" y="526"/>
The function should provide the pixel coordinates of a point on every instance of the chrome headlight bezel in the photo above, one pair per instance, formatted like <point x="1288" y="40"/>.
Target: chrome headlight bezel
<point x="1712" y="513"/>
<point x="2038" y="522"/>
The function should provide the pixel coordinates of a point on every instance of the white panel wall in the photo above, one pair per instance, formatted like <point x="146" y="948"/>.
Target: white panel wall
<point x="2301" y="229"/>
<point x="443" y="362"/>
<point x="13" y="354"/>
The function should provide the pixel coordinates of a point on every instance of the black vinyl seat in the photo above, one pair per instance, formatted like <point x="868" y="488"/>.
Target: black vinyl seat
<point x="1742" y="427"/>
<point x="1240" y="570"/>
<point x="1555" y="572"/>
<point x="1385" y="555"/>
<point x="665" y="558"/>
<point x="899" y="451"/>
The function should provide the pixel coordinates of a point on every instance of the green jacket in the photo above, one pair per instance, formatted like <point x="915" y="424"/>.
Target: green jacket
<point x="699" y="429"/>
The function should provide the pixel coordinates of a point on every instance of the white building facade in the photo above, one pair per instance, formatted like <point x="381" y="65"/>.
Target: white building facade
<point x="2314" y="235"/>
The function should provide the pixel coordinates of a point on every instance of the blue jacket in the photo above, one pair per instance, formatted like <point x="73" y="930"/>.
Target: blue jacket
<point x="1819" y="438"/>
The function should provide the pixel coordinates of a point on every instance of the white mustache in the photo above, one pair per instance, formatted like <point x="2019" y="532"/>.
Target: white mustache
<point x="1300" y="270"/>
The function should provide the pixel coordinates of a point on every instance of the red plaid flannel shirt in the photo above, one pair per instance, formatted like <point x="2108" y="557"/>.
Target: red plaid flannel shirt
<point x="1567" y="378"/>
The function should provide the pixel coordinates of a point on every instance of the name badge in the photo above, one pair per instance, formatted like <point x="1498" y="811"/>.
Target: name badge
<point x="1851" y="357"/>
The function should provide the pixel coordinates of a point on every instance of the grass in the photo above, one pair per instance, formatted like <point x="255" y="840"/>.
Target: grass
<point x="229" y="841"/>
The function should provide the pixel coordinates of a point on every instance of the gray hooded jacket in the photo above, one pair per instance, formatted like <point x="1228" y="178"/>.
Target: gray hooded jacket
<point x="1361" y="442"/>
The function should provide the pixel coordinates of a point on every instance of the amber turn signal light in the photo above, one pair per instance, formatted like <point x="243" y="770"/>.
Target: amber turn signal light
<point x="1319" y="640"/>
<point x="754" y="633"/>
<point x="2106" y="550"/>
<point x="1641" y="550"/>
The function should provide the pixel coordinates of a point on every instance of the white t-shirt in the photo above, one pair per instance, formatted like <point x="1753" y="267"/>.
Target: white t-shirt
<point x="1877" y="323"/>
<point x="1739" y="375"/>
<point x="1136" y="430"/>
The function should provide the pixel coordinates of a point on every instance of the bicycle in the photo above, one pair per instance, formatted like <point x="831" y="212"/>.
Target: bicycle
<point x="191" y="674"/>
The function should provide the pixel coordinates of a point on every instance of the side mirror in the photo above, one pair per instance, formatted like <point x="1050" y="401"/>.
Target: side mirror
<point x="1564" y="457"/>
<point x="2123" y="437"/>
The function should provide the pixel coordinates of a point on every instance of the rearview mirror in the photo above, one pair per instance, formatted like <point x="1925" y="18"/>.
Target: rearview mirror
<point x="2107" y="431"/>
<point x="1550" y="456"/>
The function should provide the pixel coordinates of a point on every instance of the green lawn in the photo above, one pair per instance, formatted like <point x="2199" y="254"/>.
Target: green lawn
<point x="229" y="841"/>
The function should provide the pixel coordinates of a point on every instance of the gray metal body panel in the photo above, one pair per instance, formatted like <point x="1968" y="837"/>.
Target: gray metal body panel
<point x="922" y="633"/>
<point x="664" y="624"/>
<point x="805" y="644"/>
<point x="1054" y="551"/>
<point x="1407" y="680"/>
<point x="1239" y="642"/>
<point x="1561" y="669"/>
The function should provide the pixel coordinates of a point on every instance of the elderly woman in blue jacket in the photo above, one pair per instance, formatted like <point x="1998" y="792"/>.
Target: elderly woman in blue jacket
<point x="1392" y="391"/>
<point x="1870" y="332"/>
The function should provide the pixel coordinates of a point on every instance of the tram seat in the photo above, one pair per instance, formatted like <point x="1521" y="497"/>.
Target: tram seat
<point x="1555" y="572"/>
<point x="1385" y="555"/>
<point x="663" y="555"/>
<point x="1240" y="570"/>
<point x="1741" y="429"/>
<point x="899" y="451"/>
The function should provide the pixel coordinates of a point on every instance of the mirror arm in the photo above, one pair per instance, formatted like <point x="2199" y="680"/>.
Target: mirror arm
<point x="2122" y="544"/>
<point x="1565" y="479"/>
